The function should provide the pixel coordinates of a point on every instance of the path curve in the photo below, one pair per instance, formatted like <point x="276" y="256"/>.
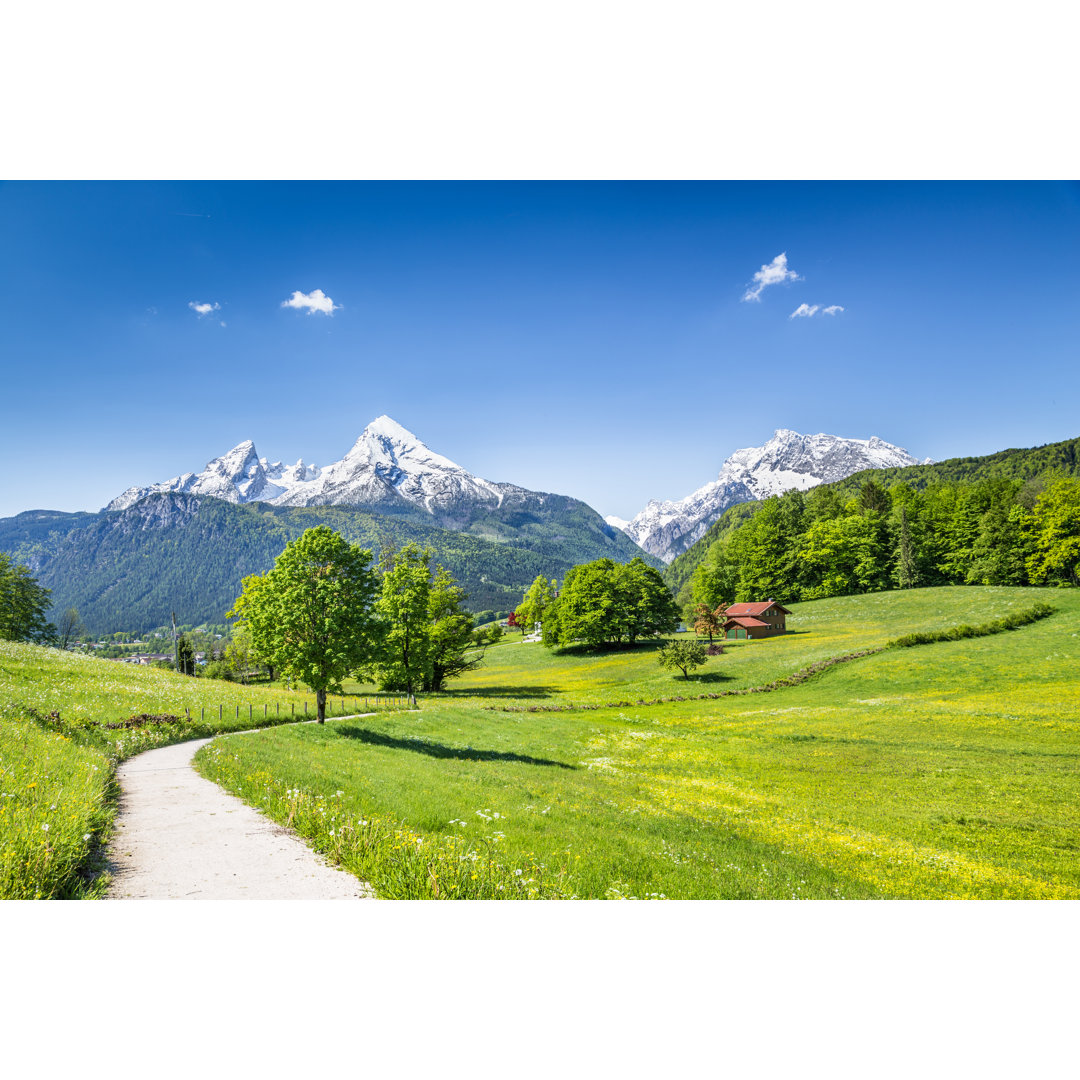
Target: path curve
<point x="181" y="837"/>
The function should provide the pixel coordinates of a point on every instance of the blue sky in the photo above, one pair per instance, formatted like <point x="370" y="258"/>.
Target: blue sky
<point x="592" y="339"/>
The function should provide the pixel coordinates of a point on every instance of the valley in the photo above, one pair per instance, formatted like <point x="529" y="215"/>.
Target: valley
<point x="944" y="770"/>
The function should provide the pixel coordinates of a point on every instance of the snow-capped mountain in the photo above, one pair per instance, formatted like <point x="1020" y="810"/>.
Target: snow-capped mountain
<point x="386" y="464"/>
<point x="788" y="460"/>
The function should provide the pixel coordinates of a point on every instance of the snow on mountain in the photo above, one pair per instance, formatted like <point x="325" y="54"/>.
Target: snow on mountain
<point x="238" y="476"/>
<point x="386" y="464"/>
<point x="788" y="460"/>
<point x="617" y="522"/>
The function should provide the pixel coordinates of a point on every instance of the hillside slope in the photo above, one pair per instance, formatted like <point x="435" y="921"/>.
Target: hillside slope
<point x="129" y="569"/>
<point x="1030" y="465"/>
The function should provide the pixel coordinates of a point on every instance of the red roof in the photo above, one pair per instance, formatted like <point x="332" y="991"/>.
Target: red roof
<point x="743" y="621"/>
<point x="755" y="609"/>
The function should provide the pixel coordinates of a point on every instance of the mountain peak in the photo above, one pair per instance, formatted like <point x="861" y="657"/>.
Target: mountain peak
<point x="389" y="428"/>
<point x="789" y="460"/>
<point x="387" y="465"/>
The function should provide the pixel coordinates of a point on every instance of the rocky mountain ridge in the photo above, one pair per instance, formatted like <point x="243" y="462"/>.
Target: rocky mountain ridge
<point x="387" y="465"/>
<point x="666" y="528"/>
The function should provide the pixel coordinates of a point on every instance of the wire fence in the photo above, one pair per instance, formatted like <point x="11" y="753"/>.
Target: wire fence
<point x="349" y="705"/>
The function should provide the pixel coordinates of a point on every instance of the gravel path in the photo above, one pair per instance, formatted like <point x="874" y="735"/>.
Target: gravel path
<point x="180" y="837"/>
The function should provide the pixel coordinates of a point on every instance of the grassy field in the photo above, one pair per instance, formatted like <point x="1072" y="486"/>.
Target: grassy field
<point x="517" y="674"/>
<point x="56" y="794"/>
<point x="944" y="770"/>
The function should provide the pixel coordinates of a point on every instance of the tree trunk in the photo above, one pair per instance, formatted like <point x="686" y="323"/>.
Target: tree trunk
<point x="320" y="705"/>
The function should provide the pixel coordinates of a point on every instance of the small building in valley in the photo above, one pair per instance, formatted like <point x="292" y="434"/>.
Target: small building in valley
<point x="764" y="619"/>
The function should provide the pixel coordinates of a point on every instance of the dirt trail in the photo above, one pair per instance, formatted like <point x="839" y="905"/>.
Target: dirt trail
<point x="180" y="837"/>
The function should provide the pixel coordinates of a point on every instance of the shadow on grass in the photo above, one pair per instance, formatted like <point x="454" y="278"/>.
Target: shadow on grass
<point x="498" y="691"/>
<point x="439" y="750"/>
<point x="617" y="650"/>
<point x="709" y="677"/>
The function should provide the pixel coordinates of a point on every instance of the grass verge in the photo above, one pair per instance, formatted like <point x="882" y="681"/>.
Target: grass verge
<point x="66" y="721"/>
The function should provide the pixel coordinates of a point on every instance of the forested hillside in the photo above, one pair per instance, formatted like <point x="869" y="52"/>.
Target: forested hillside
<point x="1011" y="518"/>
<point x="174" y="552"/>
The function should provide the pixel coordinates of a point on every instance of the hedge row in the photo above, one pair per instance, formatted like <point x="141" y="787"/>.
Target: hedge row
<point x="776" y="684"/>
<point x="957" y="633"/>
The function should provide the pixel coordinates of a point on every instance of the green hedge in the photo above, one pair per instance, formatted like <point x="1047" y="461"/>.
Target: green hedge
<point x="956" y="633"/>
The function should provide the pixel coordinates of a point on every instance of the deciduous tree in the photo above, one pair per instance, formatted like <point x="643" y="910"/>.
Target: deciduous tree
<point x="451" y="632"/>
<point x="69" y="627"/>
<point x="683" y="655"/>
<point x="23" y="603"/>
<point x="536" y="601"/>
<point x="707" y="621"/>
<point x="607" y="603"/>
<point x="405" y="658"/>
<point x="312" y="615"/>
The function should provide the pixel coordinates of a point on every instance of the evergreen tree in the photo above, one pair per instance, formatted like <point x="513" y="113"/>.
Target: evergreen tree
<point x="185" y="655"/>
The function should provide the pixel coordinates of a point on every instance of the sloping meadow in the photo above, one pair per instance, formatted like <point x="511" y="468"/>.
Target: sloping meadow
<point x="935" y="771"/>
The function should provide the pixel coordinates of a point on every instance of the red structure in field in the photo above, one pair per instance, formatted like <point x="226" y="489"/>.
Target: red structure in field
<point x="759" y="620"/>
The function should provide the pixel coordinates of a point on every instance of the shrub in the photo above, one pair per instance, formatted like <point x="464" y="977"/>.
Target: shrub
<point x="683" y="655"/>
<point x="958" y="633"/>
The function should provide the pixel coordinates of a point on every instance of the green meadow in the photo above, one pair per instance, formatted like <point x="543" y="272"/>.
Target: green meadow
<point x="941" y="771"/>
<point x="57" y="759"/>
<point x="938" y="771"/>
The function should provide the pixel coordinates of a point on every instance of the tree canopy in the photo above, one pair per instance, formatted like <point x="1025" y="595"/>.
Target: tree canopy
<point x="451" y="631"/>
<point x="404" y="658"/>
<point x="608" y="603"/>
<point x="426" y="629"/>
<point x="311" y="616"/>
<point x="537" y="599"/>
<point x="683" y="655"/>
<point x="23" y="603"/>
<point x="810" y="545"/>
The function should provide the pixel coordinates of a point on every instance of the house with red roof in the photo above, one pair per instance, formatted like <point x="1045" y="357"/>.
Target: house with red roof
<point x="758" y="620"/>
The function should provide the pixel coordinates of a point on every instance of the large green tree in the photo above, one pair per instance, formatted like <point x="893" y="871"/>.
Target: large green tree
<point x="1056" y="556"/>
<point x="536" y="601"/>
<point x="608" y="603"/>
<point x="312" y="616"/>
<point x="23" y="603"/>
<point x="405" y="657"/>
<point x="713" y="582"/>
<point x="452" y="646"/>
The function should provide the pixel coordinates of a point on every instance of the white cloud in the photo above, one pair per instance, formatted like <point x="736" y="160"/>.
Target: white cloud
<point x="203" y="309"/>
<point x="313" y="301"/>
<point x="771" y="274"/>
<point x="806" y="311"/>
